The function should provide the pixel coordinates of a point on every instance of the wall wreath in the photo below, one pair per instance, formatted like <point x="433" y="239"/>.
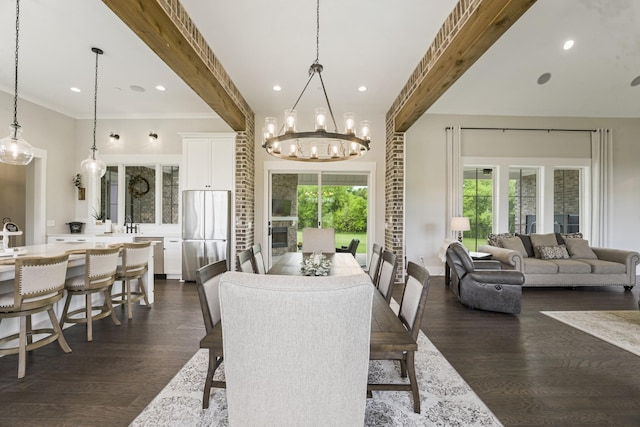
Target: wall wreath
<point x="138" y="186"/>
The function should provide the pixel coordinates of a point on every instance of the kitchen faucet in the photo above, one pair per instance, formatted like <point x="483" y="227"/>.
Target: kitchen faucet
<point x="129" y="226"/>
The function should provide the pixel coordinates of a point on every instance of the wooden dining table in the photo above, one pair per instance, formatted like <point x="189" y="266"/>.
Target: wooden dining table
<point x="388" y="334"/>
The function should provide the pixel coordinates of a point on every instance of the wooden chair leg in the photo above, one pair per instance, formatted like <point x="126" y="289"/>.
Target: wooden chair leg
<point x="109" y="304"/>
<point x="22" y="347"/>
<point x="127" y="283"/>
<point x="209" y="380"/>
<point x="403" y="369"/>
<point x="89" y="315"/>
<point x="56" y="327"/>
<point x="143" y="289"/>
<point x="29" y="329"/>
<point x="413" y="381"/>
<point x="65" y="310"/>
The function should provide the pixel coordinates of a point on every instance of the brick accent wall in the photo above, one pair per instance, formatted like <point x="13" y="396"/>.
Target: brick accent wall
<point x="394" y="196"/>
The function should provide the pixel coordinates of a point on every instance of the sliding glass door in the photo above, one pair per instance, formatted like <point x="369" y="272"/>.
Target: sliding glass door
<point x="336" y="200"/>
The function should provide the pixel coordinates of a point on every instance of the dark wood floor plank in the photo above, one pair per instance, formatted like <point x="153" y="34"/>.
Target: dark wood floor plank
<point x="530" y="369"/>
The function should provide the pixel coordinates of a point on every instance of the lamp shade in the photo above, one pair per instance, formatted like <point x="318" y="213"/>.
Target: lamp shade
<point x="460" y="223"/>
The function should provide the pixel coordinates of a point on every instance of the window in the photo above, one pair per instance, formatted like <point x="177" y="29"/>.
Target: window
<point x="477" y="200"/>
<point x="523" y="199"/>
<point x="143" y="194"/>
<point x="566" y="200"/>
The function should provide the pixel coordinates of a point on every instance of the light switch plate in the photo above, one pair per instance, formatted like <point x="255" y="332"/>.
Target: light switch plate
<point x="51" y="223"/>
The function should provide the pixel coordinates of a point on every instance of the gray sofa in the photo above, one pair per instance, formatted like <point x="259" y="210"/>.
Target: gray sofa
<point x="584" y="265"/>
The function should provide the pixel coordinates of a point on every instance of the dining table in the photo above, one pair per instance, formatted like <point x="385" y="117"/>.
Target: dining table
<point x="388" y="334"/>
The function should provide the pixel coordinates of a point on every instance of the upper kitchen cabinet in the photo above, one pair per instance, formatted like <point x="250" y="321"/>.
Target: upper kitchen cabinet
<point x="208" y="161"/>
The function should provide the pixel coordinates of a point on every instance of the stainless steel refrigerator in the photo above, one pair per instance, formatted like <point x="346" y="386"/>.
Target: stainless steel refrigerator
<point x="206" y="229"/>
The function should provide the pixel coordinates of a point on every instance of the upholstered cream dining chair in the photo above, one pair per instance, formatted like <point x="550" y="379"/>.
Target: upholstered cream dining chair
<point x="301" y="357"/>
<point x="319" y="239"/>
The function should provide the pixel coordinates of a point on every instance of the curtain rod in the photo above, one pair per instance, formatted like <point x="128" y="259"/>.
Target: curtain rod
<point x="526" y="129"/>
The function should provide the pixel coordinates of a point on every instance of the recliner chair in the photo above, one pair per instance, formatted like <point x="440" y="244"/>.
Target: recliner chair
<point x="482" y="284"/>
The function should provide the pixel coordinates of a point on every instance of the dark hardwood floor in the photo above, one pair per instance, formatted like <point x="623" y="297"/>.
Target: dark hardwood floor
<point x="529" y="369"/>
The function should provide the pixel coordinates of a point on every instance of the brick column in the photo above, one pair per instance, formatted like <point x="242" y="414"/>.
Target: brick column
<point x="394" y="195"/>
<point x="245" y="186"/>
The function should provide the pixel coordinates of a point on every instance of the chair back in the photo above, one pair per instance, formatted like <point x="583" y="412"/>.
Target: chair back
<point x="414" y="298"/>
<point x="207" y="284"/>
<point x="258" y="260"/>
<point x="319" y="239"/>
<point x="39" y="281"/>
<point x="100" y="267"/>
<point x="374" y="263"/>
<point x="302" y="357"/>
<point x="135" y="259"/>
<point x="245" y="261"/>
<point x="387" y="276"/>
<point x="459" y="259"/>
<point x="353" y="246"/>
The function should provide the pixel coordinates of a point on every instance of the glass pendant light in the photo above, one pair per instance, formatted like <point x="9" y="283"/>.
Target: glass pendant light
<point x="92" y="165"/>
<point x="14" y="150"/>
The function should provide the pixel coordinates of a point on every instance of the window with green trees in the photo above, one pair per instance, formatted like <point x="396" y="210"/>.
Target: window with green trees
<point x="477" y="200"/>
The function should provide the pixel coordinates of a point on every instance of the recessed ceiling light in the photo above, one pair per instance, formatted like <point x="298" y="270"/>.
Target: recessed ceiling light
<point x="136" y="88"/>
<point x="161" y="88"/>
<point x="75" y="89"/>
<point x="277" y="88"/>
<point x="568" y="45"/>
<point x="636" y="81"/>
<point x="544" y="78"/>
<point x="362" y="88"/>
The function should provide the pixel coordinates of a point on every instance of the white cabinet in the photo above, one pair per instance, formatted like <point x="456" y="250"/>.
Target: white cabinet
<point x="62" y="238"/>
<point x="173" y="257"/>
<point x="208" y="161"/>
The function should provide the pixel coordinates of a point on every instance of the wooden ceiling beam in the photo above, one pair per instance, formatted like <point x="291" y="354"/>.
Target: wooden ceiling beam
<point x="490" y="20"/>
<point x="198" y="68"/>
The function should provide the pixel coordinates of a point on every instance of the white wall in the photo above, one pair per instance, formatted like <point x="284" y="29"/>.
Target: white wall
<point x="426" y="176"/>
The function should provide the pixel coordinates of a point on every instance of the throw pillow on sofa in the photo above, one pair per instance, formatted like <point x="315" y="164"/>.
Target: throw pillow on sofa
<point x="494" y="239"/>
<point x="526" y="241"/>
<point x="553" y="252"/>
<point x="542" y="240"/>
<point x="579" y="248"/>
<point x="513" y="243"/>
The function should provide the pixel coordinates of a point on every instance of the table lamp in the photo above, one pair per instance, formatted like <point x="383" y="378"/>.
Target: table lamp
<point x="460" y="224"/>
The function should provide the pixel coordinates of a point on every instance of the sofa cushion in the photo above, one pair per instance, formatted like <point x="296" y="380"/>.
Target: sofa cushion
<point x="579" y="248"/>
<point x="542" y="240"/>
<point x="513" y="243"/>
<point x="539" y="266"/>
<point x="553" y="252"/>
<point x="526" y="241"/>
<point x="493" y="239"/>
<point x="599" y="266"/>
<point x="571" y="266"/>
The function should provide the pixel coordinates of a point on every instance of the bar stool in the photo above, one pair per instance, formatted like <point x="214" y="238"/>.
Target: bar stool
<point x="100" y="273"/>
<point x="135" y="263"/>
<point x="39" y="283"/>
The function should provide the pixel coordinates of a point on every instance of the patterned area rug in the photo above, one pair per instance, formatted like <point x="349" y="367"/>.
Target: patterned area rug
<point x="446" y="399"/>
<point x="620" y="328"/>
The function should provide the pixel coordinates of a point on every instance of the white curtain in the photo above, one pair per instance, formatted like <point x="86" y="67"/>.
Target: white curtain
<point x="454" y="177"/>
<point x="601" y="186"/>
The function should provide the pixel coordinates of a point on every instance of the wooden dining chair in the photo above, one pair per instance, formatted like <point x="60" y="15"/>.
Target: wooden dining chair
<point x="99" y="275"/>
<point x="387" y="275"/>
<point x="245" y="261"/>
<point x="374" y="263"/>
<point x="258" y="260"/>
<point x="135" y="264"/>
<point x="301" y="357"/>
<point x="207" y="284"/>
<point x="411" y="312"/>
<point x="38" y="285"/>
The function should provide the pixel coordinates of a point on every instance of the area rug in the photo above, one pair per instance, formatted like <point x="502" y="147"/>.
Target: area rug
<point x="620" y="328"/>
<point x="446" y="399"/>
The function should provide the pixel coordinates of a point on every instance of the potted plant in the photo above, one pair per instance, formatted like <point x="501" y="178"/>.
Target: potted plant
<point x="98" y="215"/>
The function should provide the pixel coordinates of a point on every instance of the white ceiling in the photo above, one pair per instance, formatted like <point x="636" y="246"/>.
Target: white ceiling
<point x="376" y="43"/>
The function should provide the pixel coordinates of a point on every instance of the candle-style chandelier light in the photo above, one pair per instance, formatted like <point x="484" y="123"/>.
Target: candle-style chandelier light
<point x="319" y="145"/>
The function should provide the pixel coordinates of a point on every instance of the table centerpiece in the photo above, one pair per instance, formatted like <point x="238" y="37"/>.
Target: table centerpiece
<point x="315" y="264"/>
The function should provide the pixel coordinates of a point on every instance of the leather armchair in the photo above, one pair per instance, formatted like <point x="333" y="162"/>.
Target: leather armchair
<point x="483" y="285"/>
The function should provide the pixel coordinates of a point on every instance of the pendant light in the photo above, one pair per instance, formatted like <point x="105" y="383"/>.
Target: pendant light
<point x="14" y="150"/>
<point x="319" y="145"/>
<point x="92" y="165"/>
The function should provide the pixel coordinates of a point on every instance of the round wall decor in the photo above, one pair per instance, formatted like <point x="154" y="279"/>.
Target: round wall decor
<point x="138" y="186"/>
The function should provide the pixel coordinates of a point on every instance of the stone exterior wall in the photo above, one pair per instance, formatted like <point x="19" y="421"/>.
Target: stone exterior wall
<point x="526" y="199"/>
